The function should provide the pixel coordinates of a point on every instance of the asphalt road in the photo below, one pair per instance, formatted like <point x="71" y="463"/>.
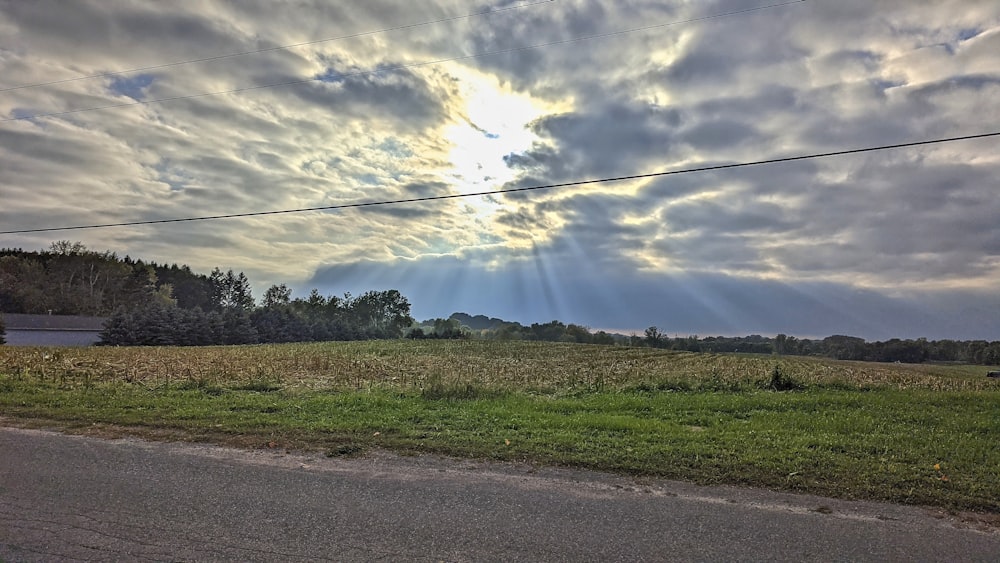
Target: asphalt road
<point x="70" y="498"/>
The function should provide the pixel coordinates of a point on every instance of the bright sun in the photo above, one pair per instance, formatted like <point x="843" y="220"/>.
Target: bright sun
<point x="494" y="126"/>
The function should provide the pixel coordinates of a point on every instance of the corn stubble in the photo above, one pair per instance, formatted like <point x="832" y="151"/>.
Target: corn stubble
<point x="517" y="366"/>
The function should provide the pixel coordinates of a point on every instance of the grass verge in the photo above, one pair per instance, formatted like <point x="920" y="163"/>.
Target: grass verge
<point x="909" y="445"/>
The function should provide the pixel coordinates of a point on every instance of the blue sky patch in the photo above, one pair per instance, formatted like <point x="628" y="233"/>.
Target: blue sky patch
<point x="132" y="86"/>
<point x="176" y="178"/>
<point x="21" y="113"/>
<point x="968" y="33"/>
<point x="331" y="76"/>
<point x="369" y="179"/>
<point x="395" y="147"/>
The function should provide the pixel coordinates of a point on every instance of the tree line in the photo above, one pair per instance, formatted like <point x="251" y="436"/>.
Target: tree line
<point x="463" y="325"/>
<point x="155" y="304"/>
<point x="838" y="347"/>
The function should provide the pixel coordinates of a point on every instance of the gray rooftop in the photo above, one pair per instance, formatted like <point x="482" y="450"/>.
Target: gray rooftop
<point x="14" y="321"/>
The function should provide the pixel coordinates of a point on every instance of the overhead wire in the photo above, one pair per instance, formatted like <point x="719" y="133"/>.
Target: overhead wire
<point x="364" y="204"/>
<point x="487" y="12"/>
<point x="405" y="66"/>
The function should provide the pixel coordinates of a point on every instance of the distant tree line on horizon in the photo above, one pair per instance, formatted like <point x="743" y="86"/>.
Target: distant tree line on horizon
<point x="838" y="347"/>
<point x="153" y="304"/>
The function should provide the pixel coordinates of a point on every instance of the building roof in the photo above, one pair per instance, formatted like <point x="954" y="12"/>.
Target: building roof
<point x="14" y="321"/>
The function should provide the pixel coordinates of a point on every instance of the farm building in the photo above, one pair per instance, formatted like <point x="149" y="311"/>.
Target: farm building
<point x="52" y="330"/>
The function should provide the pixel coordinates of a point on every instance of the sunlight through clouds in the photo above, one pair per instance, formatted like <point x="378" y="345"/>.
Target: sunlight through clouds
<point x="421" y="112"/>
<point x="494" y="124"/>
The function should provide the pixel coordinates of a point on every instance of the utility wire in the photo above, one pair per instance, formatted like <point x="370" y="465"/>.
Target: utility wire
<point x="513" y="190"/>
<point x="403" y="66"/>
<point x="488" y="12"/>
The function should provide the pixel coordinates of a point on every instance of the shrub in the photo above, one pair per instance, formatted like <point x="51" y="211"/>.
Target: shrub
<point x="782" y="382"/>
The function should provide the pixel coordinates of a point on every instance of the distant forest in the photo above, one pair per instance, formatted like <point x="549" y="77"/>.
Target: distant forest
<point x="837" y="347"/>
<point x="155" y="304"/>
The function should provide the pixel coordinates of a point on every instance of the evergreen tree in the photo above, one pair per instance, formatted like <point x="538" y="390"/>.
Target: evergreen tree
<point x="237" y="328"/>
<point x="276" y="296"/>
<point x="119" y="329"/>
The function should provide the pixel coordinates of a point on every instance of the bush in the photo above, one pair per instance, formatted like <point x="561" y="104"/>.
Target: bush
<point x="782" y="382"/>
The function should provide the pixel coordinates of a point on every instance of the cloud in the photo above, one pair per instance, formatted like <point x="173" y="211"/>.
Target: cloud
<point x="869" y="243"/>
<point x="608" y="140"/>
<point x="399" y="93"/>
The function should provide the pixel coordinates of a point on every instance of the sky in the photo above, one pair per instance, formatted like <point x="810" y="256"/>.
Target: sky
<point x="384" y="100"/>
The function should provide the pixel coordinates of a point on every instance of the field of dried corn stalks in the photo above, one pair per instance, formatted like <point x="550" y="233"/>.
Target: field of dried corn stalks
<point x="510" y="366"/>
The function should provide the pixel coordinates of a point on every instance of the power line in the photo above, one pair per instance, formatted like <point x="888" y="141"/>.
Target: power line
<point x="513" y="190"/>
<point x="403" y="66"/>
<point x="487" y="12"/>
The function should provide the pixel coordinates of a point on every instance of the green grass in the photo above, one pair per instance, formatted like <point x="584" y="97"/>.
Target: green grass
<point x="841" y="429"/>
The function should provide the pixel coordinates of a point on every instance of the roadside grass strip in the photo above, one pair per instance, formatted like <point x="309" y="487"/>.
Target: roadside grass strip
<point x="927" y="435"/>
